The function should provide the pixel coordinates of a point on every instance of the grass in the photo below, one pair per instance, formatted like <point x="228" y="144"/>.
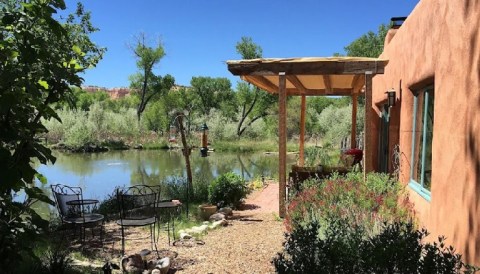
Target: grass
<point x="245" y="145"/>
<point x="157" y="144"/>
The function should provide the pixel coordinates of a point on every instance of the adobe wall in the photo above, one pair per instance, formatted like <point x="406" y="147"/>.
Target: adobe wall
<point x="440" y="43"/>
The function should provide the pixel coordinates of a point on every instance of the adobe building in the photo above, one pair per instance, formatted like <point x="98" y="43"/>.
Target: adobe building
<point x="434" y="127"/>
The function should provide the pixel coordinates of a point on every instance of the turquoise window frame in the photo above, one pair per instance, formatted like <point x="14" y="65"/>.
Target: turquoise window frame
<point x="419" y="186"/>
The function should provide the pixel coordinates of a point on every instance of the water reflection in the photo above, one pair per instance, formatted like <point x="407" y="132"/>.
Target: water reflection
<point x="99" y="173"/>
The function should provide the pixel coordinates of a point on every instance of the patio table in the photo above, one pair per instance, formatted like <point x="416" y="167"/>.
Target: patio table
<point x="169" y="206"/>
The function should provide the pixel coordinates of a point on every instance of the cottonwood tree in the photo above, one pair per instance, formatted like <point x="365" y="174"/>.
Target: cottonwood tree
<point x="369" y="44"/>
<point x="254" y="103"/>
<point x="40" y="59"/>
<point x="210" y="93"/>
<point x="145" y="82"/>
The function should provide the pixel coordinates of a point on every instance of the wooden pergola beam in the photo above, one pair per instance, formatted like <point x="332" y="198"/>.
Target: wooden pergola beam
<point x="282" y="143"/>
<point x="368" y="138"/>
<point x="301" y="158"/>
<point x="328" y="83"/>
<point x="296" y="83"/>
<point x="307" y="68"/>
<point x="321" y="92"/>
<point x="357" y="83"/>
<point x="261" y="82"/>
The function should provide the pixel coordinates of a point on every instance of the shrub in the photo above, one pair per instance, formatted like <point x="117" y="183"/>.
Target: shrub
<point x="110" y="207"/>
<point x="399" y="248"/>
<point x="227" y="189"/>
<point x="335" y="123"/>
<point x="365" y="204"/>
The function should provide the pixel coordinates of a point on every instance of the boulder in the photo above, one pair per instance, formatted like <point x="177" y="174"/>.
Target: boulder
<point x="217" y="217"/>
<point x="227" y="211"/>
<point x="132" y="264"/>
<point x="203" y="227"/>
<point x="221" y="222"/>
<point x="163" y="265"/>
<point x="185" y="236"/>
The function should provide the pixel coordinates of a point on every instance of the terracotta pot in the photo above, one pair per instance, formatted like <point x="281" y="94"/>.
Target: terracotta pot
<point x="207" y="210"/>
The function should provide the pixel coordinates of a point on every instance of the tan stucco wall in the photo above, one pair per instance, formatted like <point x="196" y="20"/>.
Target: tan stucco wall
<point x="440" y="43"/>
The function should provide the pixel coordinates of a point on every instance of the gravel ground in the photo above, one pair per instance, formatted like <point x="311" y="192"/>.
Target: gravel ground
<point x="246" y="245"/>
<point x="252" y="238"/>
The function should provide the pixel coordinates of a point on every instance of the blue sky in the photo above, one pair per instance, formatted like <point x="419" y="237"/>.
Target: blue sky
<point x="198" y="36"/>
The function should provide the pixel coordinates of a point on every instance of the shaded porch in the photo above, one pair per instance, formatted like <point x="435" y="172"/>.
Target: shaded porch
<point x="314" y="76"/>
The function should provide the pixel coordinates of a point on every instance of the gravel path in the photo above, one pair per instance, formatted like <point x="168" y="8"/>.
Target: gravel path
<point x="247" y="245"/>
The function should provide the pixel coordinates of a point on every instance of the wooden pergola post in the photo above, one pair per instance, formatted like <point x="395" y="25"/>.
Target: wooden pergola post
<point x="353" y="137"/>
<point x="301" y="158"/>
<point x="367" y="142"/>
<point x="282" y="142"/>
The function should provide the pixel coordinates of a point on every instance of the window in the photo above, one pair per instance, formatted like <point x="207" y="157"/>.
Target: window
<point x="422" y="137"/>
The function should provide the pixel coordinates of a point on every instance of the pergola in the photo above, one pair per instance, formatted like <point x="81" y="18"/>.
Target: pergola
<point x="313" y="76"/>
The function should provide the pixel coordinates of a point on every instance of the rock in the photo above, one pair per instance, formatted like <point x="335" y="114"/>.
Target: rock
<point x="156" y="271"/>
<point x="138" y="146"/>
<point x="199" y="229"/>
<point x="221" y="222"/>
<point x="145" y="252"/>
<point x="132" y="264"/>
<point x="185" y="236"/>
<point x="163" y="265"/>
<point x="217" y="217"/>
<point x="227" y="211"/>
<point x="206" y="223"/>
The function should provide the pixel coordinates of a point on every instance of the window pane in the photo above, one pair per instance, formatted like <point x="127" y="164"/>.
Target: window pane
<point x="427" y="179"/>
<point x="417" y="131"/>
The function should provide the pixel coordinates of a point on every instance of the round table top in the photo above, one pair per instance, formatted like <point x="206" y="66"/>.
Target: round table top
<point x="168" y="204"/>
<point x="82" y="202"/>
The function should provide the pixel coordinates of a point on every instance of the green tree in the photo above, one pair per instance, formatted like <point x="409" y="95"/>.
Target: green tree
<point x="84" y="100"/>
<point x="145" y="82"/>
<point x="40" y="59"/>
<point x="369" y="44"/>
<point x="210" y="92"/>
<point x="254" y="103"/>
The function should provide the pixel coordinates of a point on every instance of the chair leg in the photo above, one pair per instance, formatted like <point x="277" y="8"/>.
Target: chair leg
<point x="151" y="236"/>
<point x="123" y="241"/>
<point x="173" y="228"/>
<point x="101" y="233"/>
<point x="154" y="240"/>
<point x="168" y="230"/>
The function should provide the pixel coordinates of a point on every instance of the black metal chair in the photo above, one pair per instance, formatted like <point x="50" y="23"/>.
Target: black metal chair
<point x="76" y="211"/>
<point x="137" y="208"/>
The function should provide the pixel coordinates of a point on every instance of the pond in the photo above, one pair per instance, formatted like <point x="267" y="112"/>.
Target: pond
<point x="99" y="173"/>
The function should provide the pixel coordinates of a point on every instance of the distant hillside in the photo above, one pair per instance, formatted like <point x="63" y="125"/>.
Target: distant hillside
<point x="116" y="93"/>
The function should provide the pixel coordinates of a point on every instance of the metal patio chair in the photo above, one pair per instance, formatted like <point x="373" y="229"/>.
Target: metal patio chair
<point x="76" y="211"/>
<point x="137" y="208"/>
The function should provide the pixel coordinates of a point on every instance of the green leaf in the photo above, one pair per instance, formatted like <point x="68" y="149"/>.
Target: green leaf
<point x="37" y="193"/>
<point x="77" y="49"/>
<point x="41" y="178"/>
<point x="43" y="83"/>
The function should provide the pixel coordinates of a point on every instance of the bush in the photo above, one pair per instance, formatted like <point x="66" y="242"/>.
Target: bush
<point x="365" y="204"/>
<point x="399" y="248"/>
<point x="228" y="189"/>
<point x="335" y="123"/>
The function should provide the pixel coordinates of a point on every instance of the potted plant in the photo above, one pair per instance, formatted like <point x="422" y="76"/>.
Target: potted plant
<point x="207" y="210"/>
